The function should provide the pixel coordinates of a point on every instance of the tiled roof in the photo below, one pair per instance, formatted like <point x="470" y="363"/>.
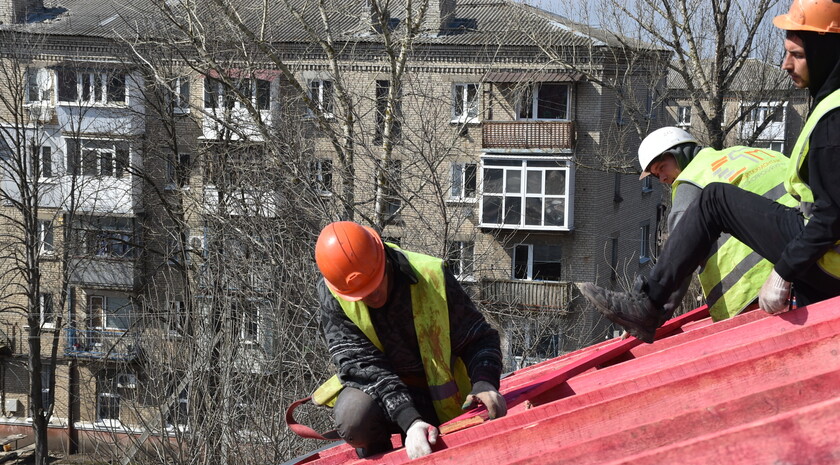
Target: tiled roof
<point x="477" y="22"/>
<point x="752" y="389"/>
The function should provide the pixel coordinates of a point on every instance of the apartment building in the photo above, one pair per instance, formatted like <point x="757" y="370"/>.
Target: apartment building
<point x="172" y="196"/>
<point x="760" y="109"/>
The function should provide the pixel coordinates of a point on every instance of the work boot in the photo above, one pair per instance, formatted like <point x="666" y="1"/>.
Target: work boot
<point x="632" y="310"/>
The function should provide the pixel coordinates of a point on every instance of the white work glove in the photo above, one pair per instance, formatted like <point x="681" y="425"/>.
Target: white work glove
<point x="484" y="393"/>
<point x="420" y="438"/>
<point x="774" y="294"/>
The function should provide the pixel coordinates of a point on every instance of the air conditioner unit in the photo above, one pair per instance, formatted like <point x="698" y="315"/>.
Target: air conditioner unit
<point x="41" y="111"/>
<point x="126" y="381"/>
<point x="196" y="243"/>
<point x="13" y="406"/>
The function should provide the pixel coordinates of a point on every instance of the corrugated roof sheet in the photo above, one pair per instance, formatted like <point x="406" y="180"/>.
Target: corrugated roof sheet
<point x="755" y="75"/>
<point x="477" y="22"/>
<point x="752" y="389"/>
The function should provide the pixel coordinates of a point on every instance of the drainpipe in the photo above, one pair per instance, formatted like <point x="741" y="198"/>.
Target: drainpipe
<point x="73" y="388"/>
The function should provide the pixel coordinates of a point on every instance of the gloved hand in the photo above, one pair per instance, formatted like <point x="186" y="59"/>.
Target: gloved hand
<point x="774" y="294"/>
<point x="486" y="394"/>
<point x="420" y="438"/>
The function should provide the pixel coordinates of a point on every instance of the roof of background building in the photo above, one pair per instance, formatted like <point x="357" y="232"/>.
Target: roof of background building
<point x="755" y="75"/>
<point x="752" y="389"/>
<point x="476" y="22"/>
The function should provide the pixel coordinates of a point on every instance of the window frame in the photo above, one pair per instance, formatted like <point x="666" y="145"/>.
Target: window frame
<point x="644" y="243"/>
<point x="225" y="99"/>
<point x="46" y="318"/>
<point x="92" y="87"/>
<point x="462" y="182"/>
<point x="525" y="165"/>
<point x="531" y="93"/>
<point x="42" y="83"/>
<point x="179" y="95"/>
<point x="46" y="237"/>
<point x="531" y="262"/>
<point x="317" y="90"/>
<point x="321" y="173"/>
<point x="81" y="151"/>
<point x="460" y="93"/>
<point x="105" y="314"/>
<point x="461" y="259"/>
<point x="684" y="115"/>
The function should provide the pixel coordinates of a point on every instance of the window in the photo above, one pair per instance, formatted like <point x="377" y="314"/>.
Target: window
<point x="321" y="91"/>
<point x="759" y="113"/>
<point x="43" y="160"/>
<point x="108" y="398"/>
<point x="247" y="319"/>
<point x="178" y="171"/>
<point x="684" y="115"/>
<point x="382" y="90"/>
<point x="47" y="315"/>
<point x="647" y="184"/>
<point x="177" y="319"/>
<point x="179" y="412"/>
<point x="465" y="103"/>
<point x="92" y="157"/>
<point x="545" y="100"/>
<point x="321" y="170"/>
<point x="46" y="398"/>
<point x="617" y="188"/>
<point x="106" y="236"/>
<point x="109" y="312"/>
<point x="537" y="262"/>
<point x="463" y="181"/>
<point x="179" y="95"/>
<point x="38" y="85"/>
<point x="391" y="200"/>
<point x="460" y="259"/>
<point x="529" y="194"/>
<point x="257" y="91"/>
<point x="92" y="87"/>
<point x="777" y="145"/>
<point x="644" y="243"/>
<point x="46" y="237"/>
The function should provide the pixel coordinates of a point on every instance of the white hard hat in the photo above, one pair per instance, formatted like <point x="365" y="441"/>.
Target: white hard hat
<point x="658" y="142"/>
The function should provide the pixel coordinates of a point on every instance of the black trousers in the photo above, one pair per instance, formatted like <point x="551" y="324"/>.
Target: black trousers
<point x="762" y="224"/>
<point x="360" y="421"/>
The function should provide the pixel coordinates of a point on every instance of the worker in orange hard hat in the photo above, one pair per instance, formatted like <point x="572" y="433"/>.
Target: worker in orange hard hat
<point x="411" y="348"/>
<point x="802" y="243"/>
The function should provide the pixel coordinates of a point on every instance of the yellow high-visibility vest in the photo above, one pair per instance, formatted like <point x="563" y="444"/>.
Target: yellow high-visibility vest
<point x="830" y="261"/>
<point x="447" y="377"/>
<point x="733" y="274"/>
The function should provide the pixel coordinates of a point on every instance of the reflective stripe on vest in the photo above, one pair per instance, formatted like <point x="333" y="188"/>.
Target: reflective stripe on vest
<point x="830" y="261"/>
<point x="733" y="273"/>
<point x="448" y="381"/>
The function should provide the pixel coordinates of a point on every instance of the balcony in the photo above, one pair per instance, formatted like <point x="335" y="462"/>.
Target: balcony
<point x="101" y="344"/>
<point x="104" y="273"/>
<point x="528" y="134"/>
<point x="534" y="295"/>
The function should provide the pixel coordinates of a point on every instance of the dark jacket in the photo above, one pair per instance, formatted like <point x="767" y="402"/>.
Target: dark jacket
<point x="822" y="170"/>
<point x="395" y="379"/>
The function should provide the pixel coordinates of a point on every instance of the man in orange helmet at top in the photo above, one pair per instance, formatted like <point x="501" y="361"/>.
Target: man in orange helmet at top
<point x="803" y="243"/>
<point x="411" y="348"/>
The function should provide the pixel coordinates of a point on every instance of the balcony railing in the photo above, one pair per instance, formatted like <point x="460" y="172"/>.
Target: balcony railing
<point x="94" y="343"/>
<point x="558" y="135"/>
<point x="533" y="295"/>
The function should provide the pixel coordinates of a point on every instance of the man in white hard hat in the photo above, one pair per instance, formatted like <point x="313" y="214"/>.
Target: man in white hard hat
<point x="802" y="243"/>
<point x="733" y="273"/>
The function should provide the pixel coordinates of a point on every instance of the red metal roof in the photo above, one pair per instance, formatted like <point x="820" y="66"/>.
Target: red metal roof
<point x="752" y="389"/>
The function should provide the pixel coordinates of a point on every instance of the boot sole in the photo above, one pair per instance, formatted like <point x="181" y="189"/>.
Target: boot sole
<point x="590" y="292"/>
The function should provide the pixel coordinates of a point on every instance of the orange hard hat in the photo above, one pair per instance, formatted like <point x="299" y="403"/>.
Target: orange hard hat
<point x="352" y="259"/>
<point x="810" y="15"/>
